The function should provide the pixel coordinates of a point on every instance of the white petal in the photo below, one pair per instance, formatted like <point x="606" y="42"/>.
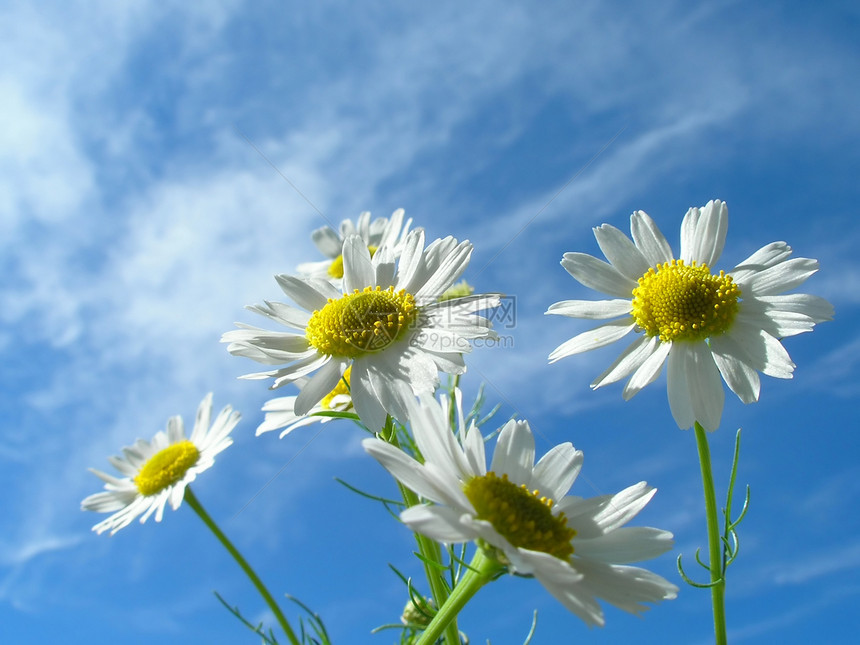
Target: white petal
<point x="327" y="241"/>
<point x="391" y="233"/>
<point x="365" y="400"/>
<point x="358" y="271"/>
<point x="405" y="469"/>
<point x="704" y="233"/>
<point x="514" y="454"/>
<point x="474" y="449"/>
<point x="741" y="378"/>
<point x="648" y="371"/>
<point x="760" y="350"/>
<point x="706" y="387"/>
<point x="283" y="313"/>
<point x="409" y="267"/>
<point x="384" y="267"/>
<point x="598" y="275"/>
<point x="437" y="522"/>
<point x="594" y="309"/>
<point x="765" y="257"/>
<point x="779" y="324"/>
<point x="451" y="268"/>
<point x="625" y="587"/>
<point x="323" y="382"/>
<point x="567" y="586"/>
<point x="695" y="390"/>
<point x="604" y="514"/>
<point x="362" y="226"/>
<point x="626" y="544"/>
<point x="302" y="292"/>
<point x="435" y="440"/>
<point x="781" y="277"/>
<point x="556" y="471"/>
<point x="621" y="252"/>
<point x="601" y="336"/>
<point x="630" y="360"/>
<point x="649" y="239"/>
<point x="678" y="387"/>
<point x="818" y="309"/>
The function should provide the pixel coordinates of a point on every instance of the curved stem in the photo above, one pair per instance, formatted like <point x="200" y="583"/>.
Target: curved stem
<point x="715" y="543"/>
<point x="261" y="588"/>
<point x="481" y="571"/>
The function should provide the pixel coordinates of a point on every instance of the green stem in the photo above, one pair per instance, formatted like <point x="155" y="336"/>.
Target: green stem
<point x="208" y="521"/>
<point x="715" y="543"/>
<point x="481" y="570"/>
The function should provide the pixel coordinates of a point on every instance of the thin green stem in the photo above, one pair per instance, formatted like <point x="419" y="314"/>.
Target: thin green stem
<point x="715" y="543"/>
<point x="261" y="588"/>
<point x="481" y="570"/>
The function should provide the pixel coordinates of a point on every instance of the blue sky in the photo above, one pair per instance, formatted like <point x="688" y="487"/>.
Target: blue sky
<point x="140" y="211"/>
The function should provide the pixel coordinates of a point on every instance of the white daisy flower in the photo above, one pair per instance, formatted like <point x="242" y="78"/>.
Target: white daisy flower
<point x="281" y="411"/>
<point x="156" y="472"/>
<point x="520" y="514"/>
<point x="381" y="231"/>
<point x="386" y="322"/>
<point x="704" y="324"/>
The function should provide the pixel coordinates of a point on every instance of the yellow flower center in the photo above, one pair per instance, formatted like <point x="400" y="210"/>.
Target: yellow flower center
<point x="342" y="387"/>
<point x="521" y="516"/>
<point x="678" y="302"/>
<point x="335" y="269"/>
<point x="361" y="322"/>
<point x="166" y="467"/>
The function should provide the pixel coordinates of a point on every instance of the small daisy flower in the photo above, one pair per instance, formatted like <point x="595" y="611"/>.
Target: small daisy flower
<point x="386" y="322"/>
<point x="156" y="472"/>
<point x="703" y="323"/>
<point x="281" y="411"/>
<point x="376" y="233"/>
<point x="519" y="512"/>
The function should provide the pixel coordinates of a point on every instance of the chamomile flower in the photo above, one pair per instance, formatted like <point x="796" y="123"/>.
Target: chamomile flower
<point x="519" y="512"/>
<point x="375" y="233"/>
<point x="702" y="322"/>
<point x="386" y="322"/>
<point x="281" y="411"/>
<point x="156" y="472"/>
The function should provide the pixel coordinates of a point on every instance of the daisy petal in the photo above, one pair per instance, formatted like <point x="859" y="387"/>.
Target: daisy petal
<point x="514" y="455"/>
<point x="437" y="522"/>
<point x="648" y="371"/>
<point x="320" y="384"/>
<point x="605" y="334"/>
<point x="593" y="309"/>
<point x="358" y="271"/>
<point x="622" y="254"/>
<point x="741" y="378"/>
<point x="704" y="233"/>
<point x="626" y="544"/>
<point x="629" y="361"/>
<point x="649" y="239"/>
<point x="556" y="471"/>
<point x="781" y="277"/>
<point x="327" y="241"/>
<point x="598" y="275"/>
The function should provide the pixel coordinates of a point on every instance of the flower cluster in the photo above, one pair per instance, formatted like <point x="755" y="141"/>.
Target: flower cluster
<point x="365" y="335"/>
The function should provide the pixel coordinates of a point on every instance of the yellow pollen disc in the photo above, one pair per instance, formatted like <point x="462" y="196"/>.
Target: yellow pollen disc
<point x="521" y="516"/>
<point x="361" y="322"/>
<point x="335" y="269"/>
<point x="342" y="387"/>
<point x="166" y="467"/>
<point x="678" y="302"/>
